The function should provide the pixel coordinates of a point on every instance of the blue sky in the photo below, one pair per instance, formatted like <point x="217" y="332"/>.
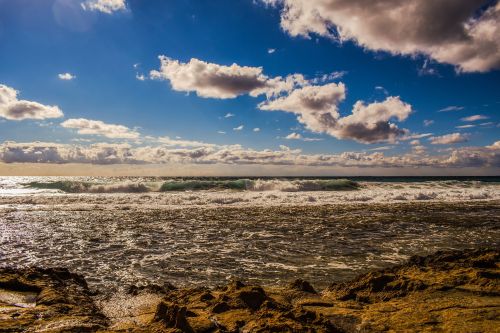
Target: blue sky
<point x="106" y="52"/>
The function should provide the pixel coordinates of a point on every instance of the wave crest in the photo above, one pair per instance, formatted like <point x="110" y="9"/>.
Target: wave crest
<point x="258" y="185"/>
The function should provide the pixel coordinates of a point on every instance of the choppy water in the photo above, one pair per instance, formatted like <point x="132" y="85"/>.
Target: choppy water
<point x="268" y="236"/>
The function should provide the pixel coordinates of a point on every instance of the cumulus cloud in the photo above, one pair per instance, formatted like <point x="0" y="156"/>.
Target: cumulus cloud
<point x="104" y="6"/>
<point x="466" y="37"/>
<point x="449" y="139"/>
<point x="66" y="76"/>
<point x="316" y="106"/>
<point x="102" y="153"/>
<point x="256" y="129"/>
<point x="293" y="136"/>
<point x="474" y="118"/>
<point x="370" y="123"/>
<point x="211" y="80"/>
<point x="495" y="145"/>
<point x="229" y="115"/>
<point x="317" y="109"/>
<point x="12" y="108"/>
<point x="239" y="128"/>
<point x="97" y="127"/>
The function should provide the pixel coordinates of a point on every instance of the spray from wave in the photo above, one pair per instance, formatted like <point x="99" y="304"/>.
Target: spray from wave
<point x="200" y="185"/>
<point x="86" y="187"/>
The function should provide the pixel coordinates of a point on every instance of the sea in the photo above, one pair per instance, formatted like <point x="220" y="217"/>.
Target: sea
<point x="123" y="231"/>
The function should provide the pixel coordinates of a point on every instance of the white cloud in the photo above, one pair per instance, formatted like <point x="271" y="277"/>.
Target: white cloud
<point x="428" y="122"/>
<point x="167" y="141"/>
<point x="419" y="149"/>
<point x="382" y="148"/>
<point x="298" y="136"/>
<point x="451" y="108"/>
<point x="256" y="129"/>
<point x="229" y="115"/>
<point x="211" y="80"/>
<point x="415" y="136"/>
<point x="221" y="132"/>
<point x="316" y="106"/>
<point x="474" y="118"/>
<point x="271" y="51"/>
<point x="293" y="136"/>
<point x="466" y="37"/>
<point x="12" y="108"/>
<point x="415" y="142"/>
<point x="449" y="139"/>
<point x="105" y="6"/>
<point x="317" y="109"/>
<point x="495" y="146"/>
<point x="382" y="89"/>
<point x="466" y="126"/>
<point x="97" y="127"/>
<point x="66" y="76"/>
<point x="239" y="128"/>
<point x="140" y="77"/>
<point x="102" y="153"/>
<point x="329" y="77"/>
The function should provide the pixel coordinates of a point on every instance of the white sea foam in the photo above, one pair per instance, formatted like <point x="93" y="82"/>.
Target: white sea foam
<point x="134" y="192"/>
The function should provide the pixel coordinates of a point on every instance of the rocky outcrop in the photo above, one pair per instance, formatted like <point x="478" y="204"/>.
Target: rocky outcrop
<point x="47" y="300"/>
<point x="452" y="291"/>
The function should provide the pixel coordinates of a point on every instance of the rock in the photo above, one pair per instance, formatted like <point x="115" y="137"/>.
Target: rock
<point x="302" y="285"/>
<point x="173" y="316"/>
<point x="252" y="297"/>
<point x="151" y="288"/>
<point x="59" y="301"/>
<point x="220" y="307"/>
<point x="450" y="291"/>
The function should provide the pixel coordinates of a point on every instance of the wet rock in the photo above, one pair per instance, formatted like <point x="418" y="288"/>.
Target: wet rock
<point x="54" y="300"/>
<point x="450" y="291"/>
<point x="151" y="288"/>
<point x="172" y="316"/>
<point x="302" y="285"/>
<point x="221" y="307"/>
<point x="252" y="297"/>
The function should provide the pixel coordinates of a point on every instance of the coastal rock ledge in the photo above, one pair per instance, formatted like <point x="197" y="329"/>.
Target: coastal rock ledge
<point x="449" y="291"/>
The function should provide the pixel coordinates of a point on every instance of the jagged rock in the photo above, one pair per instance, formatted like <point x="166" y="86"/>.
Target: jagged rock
<point x="173" y="316"/>
<point x="450" y="291"/>
<point x="54" y="300"/>
<point x="151" y="288"/>
<point x="302" y="285"/>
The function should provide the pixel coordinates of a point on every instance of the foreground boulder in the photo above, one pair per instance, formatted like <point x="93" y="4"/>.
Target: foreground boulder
<point x="452" y="291"/>
<point x="449" y="291"/>
<point x="47" y="300"/>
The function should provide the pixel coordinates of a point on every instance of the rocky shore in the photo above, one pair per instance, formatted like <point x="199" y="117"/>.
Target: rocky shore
<point x="452" y="291"/>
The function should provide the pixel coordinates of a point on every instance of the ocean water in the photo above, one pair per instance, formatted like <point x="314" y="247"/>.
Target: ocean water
<point x="204" y="231"/>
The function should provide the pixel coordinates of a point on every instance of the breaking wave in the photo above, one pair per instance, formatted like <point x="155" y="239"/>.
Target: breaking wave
<point x="86" y="187"/>
<point x="199" y="185"/>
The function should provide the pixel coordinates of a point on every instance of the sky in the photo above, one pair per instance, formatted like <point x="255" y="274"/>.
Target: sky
<point x="249" y="87"/>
